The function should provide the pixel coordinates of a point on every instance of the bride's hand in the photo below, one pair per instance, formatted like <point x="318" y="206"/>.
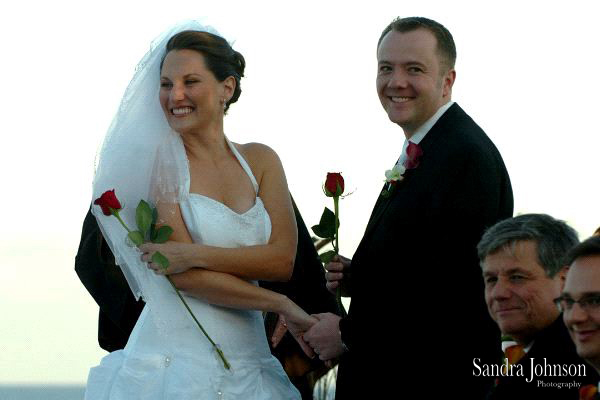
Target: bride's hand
<point x="295" y="320"/>
<point x="175" y="252"/>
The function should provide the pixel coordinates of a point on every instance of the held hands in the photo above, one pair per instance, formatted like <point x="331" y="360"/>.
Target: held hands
<point x="295" y="320"/>
<point x="335" y="272"/>
<point x="324" y="337"/>
<point x="318" y="336"/>
<point x="175" y="252"/>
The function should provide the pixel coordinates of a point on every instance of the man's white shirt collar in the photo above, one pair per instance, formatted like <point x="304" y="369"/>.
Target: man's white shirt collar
<point x="508" y="343"/>
<point x="424" y="129"/>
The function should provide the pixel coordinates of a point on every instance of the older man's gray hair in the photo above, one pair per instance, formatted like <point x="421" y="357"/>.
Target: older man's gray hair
<point x="554" y="239"/>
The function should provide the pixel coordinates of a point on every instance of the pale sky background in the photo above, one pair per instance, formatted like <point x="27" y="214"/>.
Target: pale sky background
<point x="527" y="72"/>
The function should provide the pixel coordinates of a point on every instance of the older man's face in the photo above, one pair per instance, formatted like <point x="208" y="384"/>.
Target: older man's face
<point x="583" y="281"/>
<point x="519" y="294"/>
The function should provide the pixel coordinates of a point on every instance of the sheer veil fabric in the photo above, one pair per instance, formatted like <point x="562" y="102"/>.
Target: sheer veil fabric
<point x="143" y="158"/>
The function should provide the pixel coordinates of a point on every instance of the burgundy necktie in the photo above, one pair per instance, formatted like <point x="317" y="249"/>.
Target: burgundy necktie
<point x="413" y="155"/>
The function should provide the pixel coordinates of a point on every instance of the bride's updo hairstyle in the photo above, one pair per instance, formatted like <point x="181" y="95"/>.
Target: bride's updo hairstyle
<point x="220" y="58"/>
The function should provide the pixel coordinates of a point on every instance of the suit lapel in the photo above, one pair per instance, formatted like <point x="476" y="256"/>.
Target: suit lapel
<point x="380" y="206"/>
<point x="427" y="142"/>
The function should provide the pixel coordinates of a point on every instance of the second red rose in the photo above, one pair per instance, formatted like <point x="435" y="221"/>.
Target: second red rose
<point x="331" y="184"/>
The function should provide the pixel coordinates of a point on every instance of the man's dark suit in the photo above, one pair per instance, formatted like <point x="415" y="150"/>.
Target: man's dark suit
<point x="119" y="311"/>
<point x="415" y="281"/>
<point x="554" y="344"/>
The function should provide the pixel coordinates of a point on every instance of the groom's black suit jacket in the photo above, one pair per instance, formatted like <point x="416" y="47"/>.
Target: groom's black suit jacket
<point x="418" y="317"/>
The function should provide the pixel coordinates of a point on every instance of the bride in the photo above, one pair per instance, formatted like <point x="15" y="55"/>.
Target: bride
<point x="233" y="223"/>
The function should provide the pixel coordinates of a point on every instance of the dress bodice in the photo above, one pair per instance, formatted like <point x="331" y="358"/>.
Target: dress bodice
<point x="212" y="223"/>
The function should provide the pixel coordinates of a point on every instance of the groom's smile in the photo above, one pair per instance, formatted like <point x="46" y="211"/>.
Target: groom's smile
<point x="400" y="99"/>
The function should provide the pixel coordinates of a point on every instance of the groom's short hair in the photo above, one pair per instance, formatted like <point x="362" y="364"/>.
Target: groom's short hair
<point x="445" y="42"/>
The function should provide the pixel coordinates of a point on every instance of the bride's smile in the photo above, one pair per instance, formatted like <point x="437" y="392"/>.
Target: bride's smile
<point x="190" y="95"/>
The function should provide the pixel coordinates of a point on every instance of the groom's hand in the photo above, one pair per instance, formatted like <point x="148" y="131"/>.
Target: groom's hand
<point x="297" y="330"/>
<point x="335" y="272"/>
<point x="324" y="336"/>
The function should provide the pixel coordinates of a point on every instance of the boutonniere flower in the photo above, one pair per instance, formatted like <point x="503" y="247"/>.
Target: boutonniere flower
<point x="392" y="177"/>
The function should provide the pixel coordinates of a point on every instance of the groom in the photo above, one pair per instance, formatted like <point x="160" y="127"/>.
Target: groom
<point x="418" y="317"/>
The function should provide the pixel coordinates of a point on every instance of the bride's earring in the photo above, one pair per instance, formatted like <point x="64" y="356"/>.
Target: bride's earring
<point x="223" y="103"/>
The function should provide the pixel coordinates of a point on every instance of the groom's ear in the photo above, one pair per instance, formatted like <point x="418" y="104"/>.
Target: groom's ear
<point x="448" y="82"/>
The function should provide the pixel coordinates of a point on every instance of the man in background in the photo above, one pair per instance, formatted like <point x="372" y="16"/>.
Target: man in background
<point x="524" y="268"/>
<point x="580" y="304"/>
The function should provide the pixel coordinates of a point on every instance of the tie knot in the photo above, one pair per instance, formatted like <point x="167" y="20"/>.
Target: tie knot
<point x="413" y="155"/>
<point x="514" y="353"/>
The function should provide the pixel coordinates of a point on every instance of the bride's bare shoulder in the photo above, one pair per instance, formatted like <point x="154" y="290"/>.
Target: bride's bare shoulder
<point x="258" y="155"/>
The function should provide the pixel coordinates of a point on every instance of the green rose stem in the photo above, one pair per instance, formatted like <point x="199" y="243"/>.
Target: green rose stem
<point x="336" y="209"/>
<point x="217" y="349"/>
<point x="116" y="214"/>
<point x="338" y="291"/>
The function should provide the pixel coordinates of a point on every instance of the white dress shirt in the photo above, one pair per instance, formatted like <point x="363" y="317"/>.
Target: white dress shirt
<point x="423" y="130"/>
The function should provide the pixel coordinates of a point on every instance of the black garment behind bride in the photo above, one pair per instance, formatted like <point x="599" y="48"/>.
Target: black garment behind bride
<point x="233" y="224"/>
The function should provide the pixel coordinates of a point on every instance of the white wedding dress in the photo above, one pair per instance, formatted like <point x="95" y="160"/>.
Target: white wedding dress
<point x="185" y="366"/>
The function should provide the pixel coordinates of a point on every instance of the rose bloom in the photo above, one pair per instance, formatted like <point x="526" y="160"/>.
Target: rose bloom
<point x="331" y="184"/>
<point x="107" y="201"/>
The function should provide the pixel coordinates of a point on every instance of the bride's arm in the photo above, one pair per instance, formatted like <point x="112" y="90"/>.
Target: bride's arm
<point x="215" y="287"/>
<point x="221" y="288"/>
<point x="227" y="290"/>
<point x="273" y="261"/>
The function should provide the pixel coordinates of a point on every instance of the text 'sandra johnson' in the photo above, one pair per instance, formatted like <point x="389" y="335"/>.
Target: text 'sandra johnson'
<point x="536" y="370"/>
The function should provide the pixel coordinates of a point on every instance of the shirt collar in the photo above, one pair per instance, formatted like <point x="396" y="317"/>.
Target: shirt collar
<point x="423" y="129"/>
<point x="508" y="343"/>
<point x="426" y="127"/>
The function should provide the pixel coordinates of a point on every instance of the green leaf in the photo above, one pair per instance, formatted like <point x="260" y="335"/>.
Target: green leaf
<point x="327" y="256"/>
<point x="136" y="237"/>
<point x="318" y="231"/>
<point x="162" y="234"/>
<point x="143" y="217"/>
<point x="326" y="227"/>
<point x="158" y="258"/>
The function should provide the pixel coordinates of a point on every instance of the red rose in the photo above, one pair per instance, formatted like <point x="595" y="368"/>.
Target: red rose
<point x="107" y="201"/>
<point x="334" y="184"/>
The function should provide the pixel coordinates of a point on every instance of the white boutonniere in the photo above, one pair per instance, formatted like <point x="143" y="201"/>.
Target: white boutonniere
<point x="392" y="177"/>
